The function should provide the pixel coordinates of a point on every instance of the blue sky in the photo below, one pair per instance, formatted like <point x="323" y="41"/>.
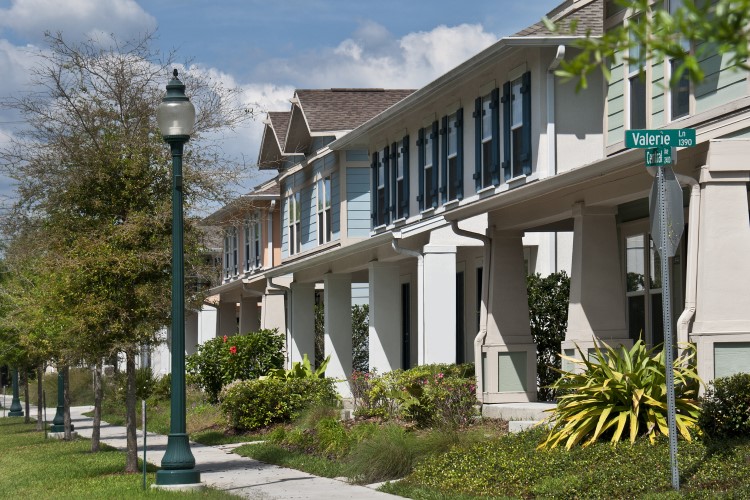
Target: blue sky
<point x="270" y="47"/>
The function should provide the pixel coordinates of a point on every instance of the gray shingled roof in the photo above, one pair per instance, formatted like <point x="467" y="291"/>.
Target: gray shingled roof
<point x="279" y="123"/>
<point x="590" y="16"/>
<point x="345" y="109"/>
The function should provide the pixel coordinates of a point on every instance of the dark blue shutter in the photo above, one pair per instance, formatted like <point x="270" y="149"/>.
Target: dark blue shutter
<point x="374" y="190"/>
<point x="386" y="171"/>
<point x="444" y="159"/>
<point x="526" y="130"/>
<point x="495" y="136"/>
<point x="435" y="163"/>
<point x="478" y="144"/>
<point x="420" y="170"/>
<point x="394" y="182"/>
<point x="405" y="189"/>
<point x="506" y="131"/>
<point x="459" y="153"/>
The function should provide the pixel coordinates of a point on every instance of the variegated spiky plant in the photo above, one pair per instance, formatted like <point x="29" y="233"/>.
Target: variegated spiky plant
<point x="621" y="389"/>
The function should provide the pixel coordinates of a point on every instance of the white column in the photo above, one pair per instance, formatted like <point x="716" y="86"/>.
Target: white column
<point x="249" y="317"/>
<point x="191" y="332"/>
<point x="338" y="329"/>
<point x="227" y="319"/>
<point x="385" y="317"/>
<point x="207" y="323"/>
<point x="597" y="294"/>
<point x="507" y="361"/>
<point x="273" y="312"/>
<point x="722" y="316"/>
<point x="302" y="322"/>
<point x="437" y="344"/>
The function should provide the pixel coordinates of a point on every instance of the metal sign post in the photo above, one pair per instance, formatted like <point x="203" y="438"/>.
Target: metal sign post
<point x="667" y="225"/>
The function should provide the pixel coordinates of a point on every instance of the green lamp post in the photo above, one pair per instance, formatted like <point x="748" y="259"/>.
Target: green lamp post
<point x="58" y="423"/>
<point x="15" y="405"/>
<point x="176" y="118"/>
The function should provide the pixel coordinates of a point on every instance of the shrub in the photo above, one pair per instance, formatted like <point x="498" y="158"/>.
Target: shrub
<point x="439" y="394"/>
<point x="163" y="387"/>
<point x="250" y="404"/>
<point x="622" y="389"/>
<point x="301" y="369"/>
<point x="548" y="313"/>
<point x="726" y="407"/>
<point x="360" y="336"/>
<point x="222" y="360"/>
<point x="390" y="453"/>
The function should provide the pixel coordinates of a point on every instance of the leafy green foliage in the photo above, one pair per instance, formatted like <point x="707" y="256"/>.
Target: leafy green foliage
<point x="251" y="404"/>
<point x="548" y="314"/>
<point x="511" y="467"/>
<point x="622" y="389"/>
<point x="427" y="395"/>
<point x="222" y="360"/>
<point x="725" y="407"/>
<point x="301" y="369"/>
<point x="713" y="27"/>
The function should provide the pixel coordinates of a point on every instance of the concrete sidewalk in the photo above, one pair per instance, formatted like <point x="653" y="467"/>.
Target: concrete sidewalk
<point x="220" y="468"/>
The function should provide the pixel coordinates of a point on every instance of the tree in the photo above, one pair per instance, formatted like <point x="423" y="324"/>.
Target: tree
<point x="711" y="27"/>
<point x="94" y="178"/>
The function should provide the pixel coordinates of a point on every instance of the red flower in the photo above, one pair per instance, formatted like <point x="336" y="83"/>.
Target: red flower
<point x="233" y="349"/>
<point x="225" y="339"/>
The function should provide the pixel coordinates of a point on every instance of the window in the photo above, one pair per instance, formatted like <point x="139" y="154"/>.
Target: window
<point x="453" y="156"/>
<point x="486" y="122"/>
<point x="230" y="253"/>
<point x="680" y="89"/>
<point x="294" y="223"/>
<point x="400" y="175"/>
<point x="643" y="290"/>
<point x="636" y="84"/>
<point x="324" y="210"/>
<point x="252" y="243"/>
<point x="428" y="175"/>
<point x="380" y="175"/>
<point x="517" y="127"/>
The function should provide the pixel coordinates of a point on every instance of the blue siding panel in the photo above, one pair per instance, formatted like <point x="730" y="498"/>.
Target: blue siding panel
<point x="355" y="155"/>
<point x="358" y="202"/>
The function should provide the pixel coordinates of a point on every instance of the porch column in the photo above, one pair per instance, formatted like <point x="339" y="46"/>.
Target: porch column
<point x="385" y="317"/>
<point x="722" y="318"/>
<point x="437" y="342"/>
<point x="506" y="364"/>
<point x="596" y="313"/>
<point x="227" y="319"/>
<point x="273" y="311"/>
<point x="191" y="332"/>
<point x="338" y="329"/>
<point x="303" y="322"/>
<point x="249" y="318"/>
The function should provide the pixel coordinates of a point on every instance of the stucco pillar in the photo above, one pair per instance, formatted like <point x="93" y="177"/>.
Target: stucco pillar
<point x="227" y="319"/>
<point x="191" y="332"/>
<point x="302" y="330"/>
<point x="249" y="317"/>
<point x="273" y="311"/>
<point x="385" y="317"/>
<point x="338" y="329"/>
<point x="596" y="313"/>
<point x="722" y="318"/>
<point x="437" y="342"/>
<point x="207" y="323"/>
<point x="506" y="361"/>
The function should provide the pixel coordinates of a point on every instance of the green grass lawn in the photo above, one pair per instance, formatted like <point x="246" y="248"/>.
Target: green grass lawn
<point x="35" y="467"/>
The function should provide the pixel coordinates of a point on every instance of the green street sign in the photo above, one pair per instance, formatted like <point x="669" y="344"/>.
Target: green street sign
<point x="657" y="157"/>
<point x="674" y="138"/>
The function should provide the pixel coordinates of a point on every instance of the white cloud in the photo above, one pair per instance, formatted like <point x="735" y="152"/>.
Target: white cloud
<point x="76" y="18"/>
<point x="372" y="57"/>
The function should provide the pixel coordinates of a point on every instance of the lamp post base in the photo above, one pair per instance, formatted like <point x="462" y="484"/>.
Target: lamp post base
<point x="60" y="428"/>
<point x="15" y="413"/>
<point x="178" y="464"/>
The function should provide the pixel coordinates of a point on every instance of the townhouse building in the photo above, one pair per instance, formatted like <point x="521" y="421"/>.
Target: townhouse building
<point x="438" y="202"/>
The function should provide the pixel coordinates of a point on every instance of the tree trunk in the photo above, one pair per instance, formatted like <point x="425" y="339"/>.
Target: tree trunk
<point x="39" y="396"/>
<point x="66" y="403"/>
<point x="25" y="382"/>
<point x="98" y="396"/>
<point x="131" y="457"/>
